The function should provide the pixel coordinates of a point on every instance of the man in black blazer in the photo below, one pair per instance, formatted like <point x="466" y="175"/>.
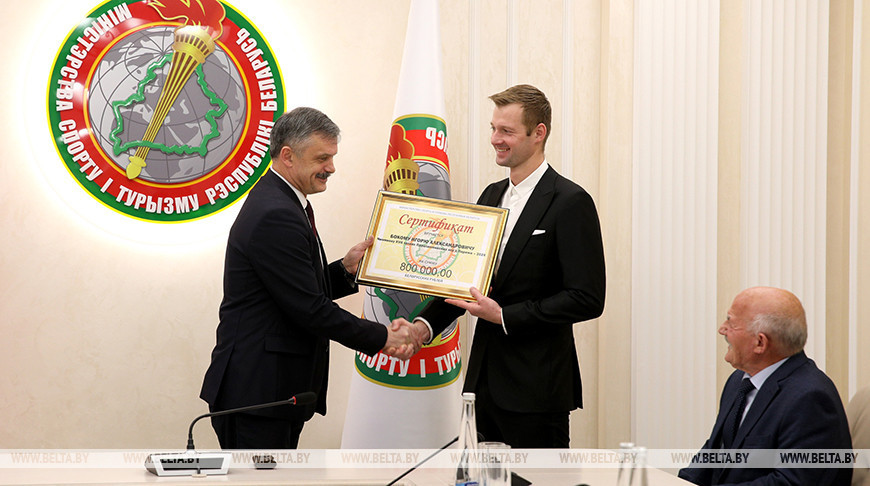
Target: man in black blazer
<point x="277" y="316"/>
<point x="523" y="364"/>
<point x="786" y="403"/>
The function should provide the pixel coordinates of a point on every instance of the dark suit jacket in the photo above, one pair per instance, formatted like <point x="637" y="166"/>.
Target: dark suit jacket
<point x="277" y="316"/>
<point x="798" y="407"/>
<point x="551" y="276"/>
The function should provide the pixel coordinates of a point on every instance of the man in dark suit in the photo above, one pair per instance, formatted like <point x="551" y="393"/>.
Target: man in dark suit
<point x="777" y="399"/>
<point x="277" y="316"/>
<point x="523" y="365"/>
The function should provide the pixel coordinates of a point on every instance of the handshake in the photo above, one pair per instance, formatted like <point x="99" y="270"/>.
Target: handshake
<point x="404" y="339"/>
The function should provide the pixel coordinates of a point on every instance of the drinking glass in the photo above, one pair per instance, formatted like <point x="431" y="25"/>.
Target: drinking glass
<point x="495" y="463"/>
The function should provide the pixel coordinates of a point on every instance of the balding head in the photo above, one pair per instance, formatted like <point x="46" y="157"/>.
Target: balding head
<point x="764" y="325"/>
<point x="779" y="314"/>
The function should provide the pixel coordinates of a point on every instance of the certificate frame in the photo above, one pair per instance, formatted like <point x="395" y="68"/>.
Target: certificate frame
<point x="431" y="246"/>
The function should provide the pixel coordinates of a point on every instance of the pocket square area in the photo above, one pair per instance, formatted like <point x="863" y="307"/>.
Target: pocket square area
<point x="538" y="232"/>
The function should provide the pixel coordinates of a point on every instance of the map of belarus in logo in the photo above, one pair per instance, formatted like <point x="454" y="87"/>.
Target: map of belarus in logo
<point x="162" y="109"/>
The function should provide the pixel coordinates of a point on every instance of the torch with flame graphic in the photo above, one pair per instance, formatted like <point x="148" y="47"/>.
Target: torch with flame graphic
<point x="401" y="173"/>
<point x="194" y="40"/>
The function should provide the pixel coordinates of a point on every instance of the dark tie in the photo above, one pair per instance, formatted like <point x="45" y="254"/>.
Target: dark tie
<point x="310" y="212"/>
<point x="732" y="421"/>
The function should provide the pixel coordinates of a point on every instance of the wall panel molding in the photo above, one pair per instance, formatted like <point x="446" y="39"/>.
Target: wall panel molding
<point x="854" y="198"/>
<point x="675" y="164"/>
<point x="784" y="171"/>
<point x="568" y="104"/>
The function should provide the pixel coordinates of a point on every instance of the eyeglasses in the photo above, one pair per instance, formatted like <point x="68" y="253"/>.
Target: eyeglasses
<point x="729" y="327"/>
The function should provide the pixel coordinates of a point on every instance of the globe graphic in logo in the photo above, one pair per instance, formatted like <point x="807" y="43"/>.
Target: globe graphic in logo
<point x="203" y="125"/>
<point x="433" y="179"/>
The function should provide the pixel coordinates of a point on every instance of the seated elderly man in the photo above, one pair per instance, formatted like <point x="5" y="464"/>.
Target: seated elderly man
<point x="776" y="399"/>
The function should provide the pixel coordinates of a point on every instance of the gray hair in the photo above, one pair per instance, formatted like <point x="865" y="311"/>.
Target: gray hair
<point x="787" y="331"/>
<point x="295" y="127"/>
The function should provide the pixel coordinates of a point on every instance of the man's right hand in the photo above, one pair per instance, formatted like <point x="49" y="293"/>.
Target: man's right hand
<point x="402" y="340"/>
<point x="421" y="331"/>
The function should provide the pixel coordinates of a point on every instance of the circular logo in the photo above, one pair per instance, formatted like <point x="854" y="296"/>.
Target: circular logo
<point x="433" y="250"/>
<point x="162" y="109"/>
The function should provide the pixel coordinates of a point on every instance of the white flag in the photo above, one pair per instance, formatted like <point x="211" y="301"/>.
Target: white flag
<point x="415" y="403"/>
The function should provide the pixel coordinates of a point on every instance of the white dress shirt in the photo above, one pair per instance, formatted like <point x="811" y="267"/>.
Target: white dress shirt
<point x="515" y="199"/>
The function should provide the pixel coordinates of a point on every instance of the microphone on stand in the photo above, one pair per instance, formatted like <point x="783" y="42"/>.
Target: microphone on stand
<point x="303" y="398"/>
<point x="191" y="462"/>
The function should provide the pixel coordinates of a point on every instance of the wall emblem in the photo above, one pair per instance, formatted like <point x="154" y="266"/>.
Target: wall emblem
<point x="162" y="109"/>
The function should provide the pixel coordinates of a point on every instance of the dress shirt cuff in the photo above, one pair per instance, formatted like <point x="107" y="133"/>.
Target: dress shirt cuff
<point x="503" y="324"/>
<point x="428" y="326"/>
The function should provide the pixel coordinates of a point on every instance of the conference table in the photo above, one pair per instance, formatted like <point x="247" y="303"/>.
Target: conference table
<point x="592" y="477"/>
<point x="126" y="467"/>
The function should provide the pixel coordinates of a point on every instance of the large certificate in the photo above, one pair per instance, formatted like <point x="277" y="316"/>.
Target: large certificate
<point x="432" y="246"/>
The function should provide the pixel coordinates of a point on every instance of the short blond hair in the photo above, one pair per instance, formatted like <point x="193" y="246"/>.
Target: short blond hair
<point x="535" y="105"/>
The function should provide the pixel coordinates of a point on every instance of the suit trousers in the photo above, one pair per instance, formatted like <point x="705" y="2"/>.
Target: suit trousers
<point x="247" y="431"/>
<point x="520" y="430"/>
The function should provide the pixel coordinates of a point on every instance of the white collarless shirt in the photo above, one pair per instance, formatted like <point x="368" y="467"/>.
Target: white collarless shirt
<point x="515" y="199"/>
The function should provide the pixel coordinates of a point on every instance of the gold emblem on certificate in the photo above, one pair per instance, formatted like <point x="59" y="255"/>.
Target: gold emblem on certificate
<point x="432" y="246"/>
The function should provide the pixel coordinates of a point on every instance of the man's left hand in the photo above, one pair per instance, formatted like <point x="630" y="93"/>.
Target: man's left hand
<point x="355" y="254"/>
<point x="483" y="307"/>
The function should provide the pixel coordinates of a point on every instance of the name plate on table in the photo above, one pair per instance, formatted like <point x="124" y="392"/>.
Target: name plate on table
<point x="432" y="246"/>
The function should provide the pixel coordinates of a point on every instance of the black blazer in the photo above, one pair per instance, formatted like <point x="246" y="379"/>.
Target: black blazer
<point x="551" y="276"/>
<point x="798" y="407"/>
<point x="277" y="316"/>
